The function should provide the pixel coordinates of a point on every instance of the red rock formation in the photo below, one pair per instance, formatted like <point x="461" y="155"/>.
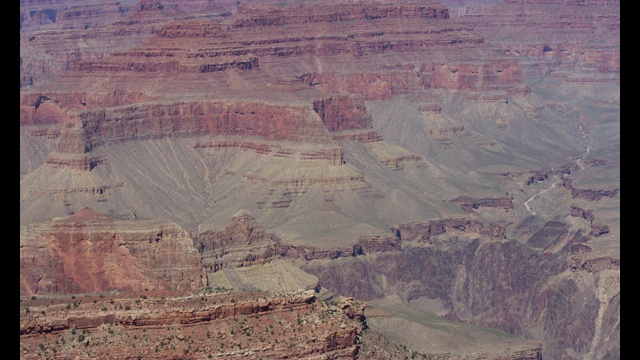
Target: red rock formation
<point x="223" y="324"/>
<point x="376" y="85"/>
<point x="266" y="15"/>
<point x="594" y="194"/>
<point x="542" y="175"/>
<point x="171" y="315"/>
<point x="551" y="36"/>
<point x="476" y="76"/>
<point x="258" y="119"/>
<point x="45" y="110"/>
<point x="343" y="113"/>
<point x="365" y="245"/>
<point x="89" y="252"/>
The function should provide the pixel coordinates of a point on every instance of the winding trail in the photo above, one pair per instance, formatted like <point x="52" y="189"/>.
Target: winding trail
<point x="584" y="155"/>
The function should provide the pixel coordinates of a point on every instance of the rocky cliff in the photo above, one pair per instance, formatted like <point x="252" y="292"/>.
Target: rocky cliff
<point x="224" y="325"/>
<point x="426" y="230"/>
<point x="495" y="282"/>
<point x="575" y="41"/>
<point x="589" y="194"/>
<point x="89" y="252"/>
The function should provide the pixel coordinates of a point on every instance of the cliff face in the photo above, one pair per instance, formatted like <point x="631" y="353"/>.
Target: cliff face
<point x="236" y="57"/>
<point x="504" y="284"/>
<point x="88" y="252"/>
<point x="424" y="231"/>
<point x="589" y="194"/>
<point x="468" y="204"/>
<point x="242" y="243"/>
<point x="237" y="324"/>
<point x="249" y="44"/>
<point x="255" y="119"/>
<point x="556" y="32"/>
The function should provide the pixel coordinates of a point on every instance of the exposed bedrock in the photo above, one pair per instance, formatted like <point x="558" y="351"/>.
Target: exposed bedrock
<point x="271" y="121"/>
<point x="243" y="242"/>
<point x="374" y="85"/>
<point x="89" y="252"/>
<point x="577" y="41"/>
<point x="589" y="194"/>
<point x="211" y="323"/>
<point x="248" y="118"/>
<point x="366" y="245"/>
<point x="343" y="113"/>
<point x="498" y="283"/>
<point x="174" y="314"/>
<point x="467" y="76"/>
<point x="251" y="14"/>
<point x="502" y="75"/>
<point x="266" y="123"/>
<point x="468" y="204"/>
<point x="39" y="109"/>
<point x="425" y="231"/>
<point x="52" y="107"/>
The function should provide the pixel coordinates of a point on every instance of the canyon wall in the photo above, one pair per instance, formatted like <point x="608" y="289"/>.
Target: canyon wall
<point x="495" y="282"/>
<point x="89" y="252"/>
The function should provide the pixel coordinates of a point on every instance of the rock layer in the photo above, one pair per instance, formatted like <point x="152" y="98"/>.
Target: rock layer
<point x="89" y="252"/>
<point x="234" y="325"/>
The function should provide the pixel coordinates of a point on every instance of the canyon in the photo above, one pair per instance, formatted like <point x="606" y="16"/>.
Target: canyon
<point x="295" y="179"/>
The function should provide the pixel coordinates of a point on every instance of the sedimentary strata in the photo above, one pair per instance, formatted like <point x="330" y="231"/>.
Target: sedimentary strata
<point x="89" y="252"/>
<point x="220" y="324"/>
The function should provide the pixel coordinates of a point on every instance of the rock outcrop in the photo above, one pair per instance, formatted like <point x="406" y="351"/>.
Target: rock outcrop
<point x="577" y="211"/>
<point x="88" y="252"/>
<point x="425" y="231"/>
<point x="468" y="204"/>
<point x="555" y="31"/>
<point x="589" y="194"/>
<point x="366" y="245"/>
<point x="236" y="324"/>
<point x="242" y="243"/>
<point x="498" y="283"/>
